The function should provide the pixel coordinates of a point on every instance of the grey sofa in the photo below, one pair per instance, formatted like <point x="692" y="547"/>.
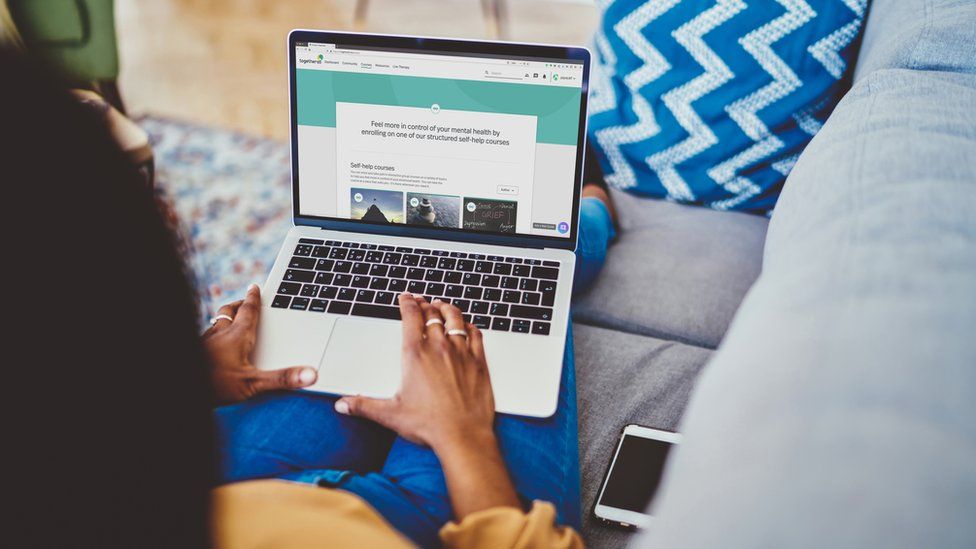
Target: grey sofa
<point x="838" y="340"/>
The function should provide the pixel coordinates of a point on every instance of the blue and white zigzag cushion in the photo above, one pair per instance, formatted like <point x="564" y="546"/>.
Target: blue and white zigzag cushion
<point x="710" y="102"/>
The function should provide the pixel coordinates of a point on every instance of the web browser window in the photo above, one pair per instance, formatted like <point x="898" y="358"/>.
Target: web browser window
<point x="440" y="140"/>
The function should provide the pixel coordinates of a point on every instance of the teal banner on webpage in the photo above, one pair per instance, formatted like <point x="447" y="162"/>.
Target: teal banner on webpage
<point x="556" y="107"/>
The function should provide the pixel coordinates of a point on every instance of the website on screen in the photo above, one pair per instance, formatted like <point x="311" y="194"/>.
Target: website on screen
<point x="477" y="143"/>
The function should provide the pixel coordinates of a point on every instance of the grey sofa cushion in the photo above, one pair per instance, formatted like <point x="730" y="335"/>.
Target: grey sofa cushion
<point x="676" y="272"/>
<point x="610" y="364"/>
<point x="919" y="35"/>
<point x="839" y="409"/>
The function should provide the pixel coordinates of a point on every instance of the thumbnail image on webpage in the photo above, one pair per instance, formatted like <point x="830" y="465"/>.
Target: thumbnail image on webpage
<point x="432" y="210"/>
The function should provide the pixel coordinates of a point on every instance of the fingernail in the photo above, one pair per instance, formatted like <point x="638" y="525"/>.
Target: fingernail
<point x="436" y="301"/>
<point x="407" y="294"/>
<point x="307" y="376"/>
<point x="253" y="288"/>
<point x="342" y="407"/>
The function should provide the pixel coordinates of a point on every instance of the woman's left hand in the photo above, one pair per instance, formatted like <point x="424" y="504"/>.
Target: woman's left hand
<point x="445" y="401"/>
<point x="230" y="344"/>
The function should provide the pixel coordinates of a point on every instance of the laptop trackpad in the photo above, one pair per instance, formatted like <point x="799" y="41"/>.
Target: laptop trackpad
<point x="362" y="358"/>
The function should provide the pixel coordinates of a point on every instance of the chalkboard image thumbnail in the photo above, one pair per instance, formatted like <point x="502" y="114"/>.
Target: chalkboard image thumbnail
<point x="435" y="210"/>
<point x="482" y="214"/>
<point x="375" y="205"/>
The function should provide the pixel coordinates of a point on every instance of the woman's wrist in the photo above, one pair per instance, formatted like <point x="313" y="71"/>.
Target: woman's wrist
<point x="475" y="471"/>
<point x="458" y="441"/>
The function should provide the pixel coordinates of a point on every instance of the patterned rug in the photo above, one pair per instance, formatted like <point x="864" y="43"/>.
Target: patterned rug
<point x="232" y="193"/>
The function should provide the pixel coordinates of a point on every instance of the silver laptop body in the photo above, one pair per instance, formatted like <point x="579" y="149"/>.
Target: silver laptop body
<point x="447" y="168"/>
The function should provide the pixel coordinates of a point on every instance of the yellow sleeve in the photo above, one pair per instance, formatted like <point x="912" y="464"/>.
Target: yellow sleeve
<point x="507" y="527"/>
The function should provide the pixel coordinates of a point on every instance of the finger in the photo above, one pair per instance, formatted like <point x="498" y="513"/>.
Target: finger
<point x="413" y="320"/>
<point x="476" y="343"/>
<point x="286" y="378"/>
<point x="230" y="310"/>
<point x="435" y="330"/>
<point x="375" y="409"/>
<point x="452" y="321"/>
<point x="249" y="310"/>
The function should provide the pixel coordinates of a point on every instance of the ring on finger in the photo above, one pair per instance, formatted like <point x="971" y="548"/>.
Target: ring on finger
<point x="214" y="320"/>
<point x="458" y="332"/>
<point x="431" y="321"/>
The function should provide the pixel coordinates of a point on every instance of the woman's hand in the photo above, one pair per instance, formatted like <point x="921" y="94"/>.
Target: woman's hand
<point x="445" y="401"/>
<point x="445" y="395"/>
<point x="230" y="343"/>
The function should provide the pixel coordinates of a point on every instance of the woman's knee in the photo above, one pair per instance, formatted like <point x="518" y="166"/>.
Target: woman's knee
<point x="595" y="233"/>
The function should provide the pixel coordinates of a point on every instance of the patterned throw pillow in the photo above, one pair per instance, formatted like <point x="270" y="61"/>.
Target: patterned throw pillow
<point x="710" y="102"/>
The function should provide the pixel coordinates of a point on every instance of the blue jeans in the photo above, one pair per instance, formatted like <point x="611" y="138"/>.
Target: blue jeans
<point x="299" y="436"/>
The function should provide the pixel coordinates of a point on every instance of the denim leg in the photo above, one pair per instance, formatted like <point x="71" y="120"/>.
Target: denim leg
<point x="595" y="233"/>
<point x="288" y="432"/>
<point x="541" y="455"/>
<point x="410" y="492"/>
<point x="414" y="500"/>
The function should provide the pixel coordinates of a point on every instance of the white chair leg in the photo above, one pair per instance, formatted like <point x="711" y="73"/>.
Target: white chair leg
<point x="494" y="12"/>
<point x="359" y="15"/>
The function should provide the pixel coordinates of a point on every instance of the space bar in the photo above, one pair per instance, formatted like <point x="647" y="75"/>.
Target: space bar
<point x="376" y="311"/>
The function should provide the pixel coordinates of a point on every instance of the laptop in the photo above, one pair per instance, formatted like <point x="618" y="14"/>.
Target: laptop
<point x="446" y="168"/>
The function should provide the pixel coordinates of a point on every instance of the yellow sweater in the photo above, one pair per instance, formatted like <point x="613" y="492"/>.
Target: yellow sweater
<point x="271" y="513"/>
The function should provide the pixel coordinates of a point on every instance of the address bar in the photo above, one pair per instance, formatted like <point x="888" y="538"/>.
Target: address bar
<point x="420" y="56"/>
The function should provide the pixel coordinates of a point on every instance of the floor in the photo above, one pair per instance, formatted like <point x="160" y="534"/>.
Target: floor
<point x="222" y="62"/>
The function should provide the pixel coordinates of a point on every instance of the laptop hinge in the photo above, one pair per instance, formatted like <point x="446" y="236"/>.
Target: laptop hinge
<point x="527" y="245"/>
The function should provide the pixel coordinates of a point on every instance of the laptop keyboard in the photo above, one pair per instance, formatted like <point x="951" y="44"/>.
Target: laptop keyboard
<point x="508" y="294"/>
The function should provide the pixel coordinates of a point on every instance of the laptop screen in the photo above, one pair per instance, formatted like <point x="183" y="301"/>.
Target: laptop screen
<point x="460" y="141"/>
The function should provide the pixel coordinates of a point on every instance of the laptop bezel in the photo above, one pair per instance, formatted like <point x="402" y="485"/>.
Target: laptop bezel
<point x="511" y="49"/>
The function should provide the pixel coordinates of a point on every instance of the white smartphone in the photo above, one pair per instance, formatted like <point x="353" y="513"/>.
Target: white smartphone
<point x="633" y="476"/>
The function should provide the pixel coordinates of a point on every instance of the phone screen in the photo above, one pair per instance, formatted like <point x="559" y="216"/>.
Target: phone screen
<point x="636" y="473"/>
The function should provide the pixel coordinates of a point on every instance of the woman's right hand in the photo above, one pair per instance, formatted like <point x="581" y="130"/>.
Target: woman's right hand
<point x="445" y="395"/>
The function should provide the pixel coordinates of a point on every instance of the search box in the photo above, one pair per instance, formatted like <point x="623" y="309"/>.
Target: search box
<point x="506" y="74"/>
